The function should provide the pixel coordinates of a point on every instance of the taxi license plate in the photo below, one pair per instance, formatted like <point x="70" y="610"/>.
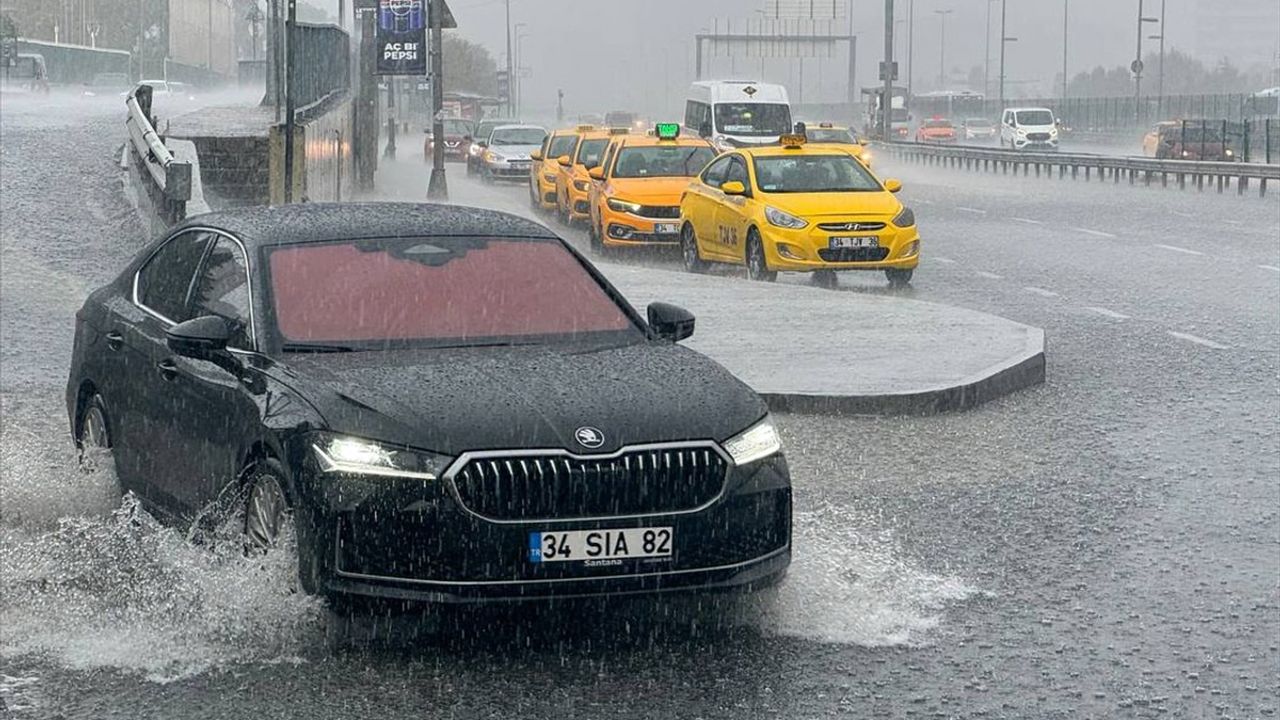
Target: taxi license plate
<point x="666" y="228"/>
<point x="587" y="545"/>
<point x="854" y="242"/>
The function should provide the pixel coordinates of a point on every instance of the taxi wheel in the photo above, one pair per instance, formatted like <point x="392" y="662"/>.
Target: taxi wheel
<point x="693" y="261"/>
<point x="898" y="278"/>
<point x="757" y="263"/>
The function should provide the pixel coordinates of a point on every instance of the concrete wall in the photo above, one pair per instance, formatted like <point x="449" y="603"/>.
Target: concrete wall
<point x="323" y="164"/>
<point x="236" y="171"/>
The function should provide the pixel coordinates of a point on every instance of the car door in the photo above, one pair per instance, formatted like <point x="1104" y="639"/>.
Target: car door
<point x="731" y="214"/>
<point x="147" y="445"/>
<point x="596" y="193"/>
<point x="210" y="410"/>
<point x="704" y="200"/>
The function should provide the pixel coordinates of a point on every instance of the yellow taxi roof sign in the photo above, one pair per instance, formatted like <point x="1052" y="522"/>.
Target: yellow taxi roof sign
<point x="667" y="130"/>
<point x="792" y="140"/>
<point x="586" y="128"/>
<point x="826" y="125"/>
<point x="619" y="131"/>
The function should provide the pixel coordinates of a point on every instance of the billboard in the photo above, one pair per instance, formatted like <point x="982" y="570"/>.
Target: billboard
<point x="401" y="37"/>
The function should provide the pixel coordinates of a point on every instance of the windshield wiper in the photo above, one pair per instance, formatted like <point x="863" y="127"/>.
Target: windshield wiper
<point x="315" y="348"/>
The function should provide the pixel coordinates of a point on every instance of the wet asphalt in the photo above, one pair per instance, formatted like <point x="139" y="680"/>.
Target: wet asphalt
<point x="1107" y="545"/>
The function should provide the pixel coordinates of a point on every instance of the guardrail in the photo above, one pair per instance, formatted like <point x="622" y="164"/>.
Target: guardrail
<point x="1113" y="167"/>
<point x="169" y="185"/>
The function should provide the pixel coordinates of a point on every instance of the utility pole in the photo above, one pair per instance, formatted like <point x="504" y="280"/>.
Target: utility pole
<point x="390" y="151"/>
<point x="289" y="27"/>
<point x="1163" y="32"/>
<point x="1003" y="40"/>
<point x="886" y="100"/>
<point x="942" y="55"/>
<point x="510" y="64"/>
<point x="911" y="46"/>
<point x="986" y="58"/>
<point x="1064" y="48"/>
<point x="1137" y="66"/>
<point x="438" y="186"/>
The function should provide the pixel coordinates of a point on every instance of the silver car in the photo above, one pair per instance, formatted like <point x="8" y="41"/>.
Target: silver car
<point x="505" y="154"/>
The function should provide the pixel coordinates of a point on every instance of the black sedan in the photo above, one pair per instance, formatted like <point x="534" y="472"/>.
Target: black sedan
<point x="448" y="404"/>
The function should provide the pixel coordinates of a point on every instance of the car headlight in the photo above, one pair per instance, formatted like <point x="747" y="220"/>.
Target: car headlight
<point x="492" y="156"/>
<point x="580" y="185"/>
<point x="474" y="149"/>
<point x="1022" y="133"/>
<point x="623" y="205"/>
<point x="549" y="177"/>
<point x="1053" y="132"/>
<point x="905" y="218"/>
<point x="755" y="443"/>
<point x="783" y="219"/>
<point x="1230" y="153"/>
<point x="354" y="456"/>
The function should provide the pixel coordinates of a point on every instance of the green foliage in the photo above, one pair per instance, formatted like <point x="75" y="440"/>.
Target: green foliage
<point x="1183" y="75"/>
<point x="468" y="67"/>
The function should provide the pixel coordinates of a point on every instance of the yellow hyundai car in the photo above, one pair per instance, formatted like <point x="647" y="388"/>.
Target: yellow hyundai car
<point x="635" y="197"/>
<point x="545" y="166"/>
<point x="573" y="182"/>
<point x="792" y="208"/>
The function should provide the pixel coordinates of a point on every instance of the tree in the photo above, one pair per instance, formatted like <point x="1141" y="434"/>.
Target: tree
<point x="1183" y="75"/>
<point x="468" y="67"/>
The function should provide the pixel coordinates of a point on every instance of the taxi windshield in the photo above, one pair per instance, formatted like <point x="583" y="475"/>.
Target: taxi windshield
<point x="812" y="173"/>
<point x="589" y="151"/>
<point x="753" y="119"/>
<point x="562" y="145"/>
<point x="829" y="135"/>
<point x="662" y="161"/>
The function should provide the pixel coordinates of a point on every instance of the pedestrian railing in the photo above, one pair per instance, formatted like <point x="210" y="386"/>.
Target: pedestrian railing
<point x="167" y="179"/>
<point x="1182" y="173"/>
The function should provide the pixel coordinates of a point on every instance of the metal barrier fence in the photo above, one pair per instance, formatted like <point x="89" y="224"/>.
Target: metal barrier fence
<point x="168" y="180"/>
<point x="1248" y="140"/>
<point x="1148" y="170"/>
<point x="1094" y="114"/>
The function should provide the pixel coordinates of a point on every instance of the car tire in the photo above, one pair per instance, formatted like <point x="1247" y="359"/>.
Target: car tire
<point x="757" y="262"/>
<point x="267" y="512"/>
<point x="899" y="278"/>
<point x="826" y="279"/>
<point x="95" y="449"/>
<point x="693" y="261"/>
<point x="595" y="239"/>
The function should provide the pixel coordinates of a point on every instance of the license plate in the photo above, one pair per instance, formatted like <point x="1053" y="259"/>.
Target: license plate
<point x="669" y="228"/>
<point x="520" y="165"/>
<point x="596" y="545"/>
<point x="854" y="242"/>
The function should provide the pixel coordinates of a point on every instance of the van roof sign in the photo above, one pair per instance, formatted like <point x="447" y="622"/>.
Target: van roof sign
<point x="750" y="90"/>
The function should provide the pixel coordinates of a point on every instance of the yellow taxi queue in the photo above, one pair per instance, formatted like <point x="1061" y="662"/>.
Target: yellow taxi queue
<point x="795" y="206"/>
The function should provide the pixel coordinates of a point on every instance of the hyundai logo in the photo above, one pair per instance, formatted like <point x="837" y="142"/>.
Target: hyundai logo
<point x="588" y="437"/>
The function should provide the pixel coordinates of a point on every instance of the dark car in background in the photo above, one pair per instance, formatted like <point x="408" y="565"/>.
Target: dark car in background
<point x="451" y="404"/>
<point x="457" y="140"/>
<point x="1192" y="142"/>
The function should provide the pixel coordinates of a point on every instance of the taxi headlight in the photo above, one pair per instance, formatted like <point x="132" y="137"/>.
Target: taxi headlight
<point x="783" y="219"/>
<point x="549" y="177"/>
<point x="580" y="185"/>
<point x="354" y="456"/>
<point x="755" y="443"/>
<point x="623" y="205"/>
<point x="912" y="249"/>
<point x="905" y="218"/>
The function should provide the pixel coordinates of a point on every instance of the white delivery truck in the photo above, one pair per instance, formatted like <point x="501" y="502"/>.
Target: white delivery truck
<point x="737" y="113"/>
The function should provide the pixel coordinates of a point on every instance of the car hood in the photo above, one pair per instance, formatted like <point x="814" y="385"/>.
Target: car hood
<point x="514" y="152"/>
<point x="878" y="204"/>
<point x="649" y="191"/>
<point x="454" y="400"/>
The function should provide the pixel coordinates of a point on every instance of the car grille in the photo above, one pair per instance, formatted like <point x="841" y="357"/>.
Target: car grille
<point x="853" y="254"/>
<point x="662" y="212"/>
<point x="635" y="482"/>
<point x="851" y="226"/>
<point x="1038" y="136"/>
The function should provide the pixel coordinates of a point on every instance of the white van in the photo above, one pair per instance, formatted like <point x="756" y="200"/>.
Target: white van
<point x="737" y="113"/>
<point x="1028" y="128"/>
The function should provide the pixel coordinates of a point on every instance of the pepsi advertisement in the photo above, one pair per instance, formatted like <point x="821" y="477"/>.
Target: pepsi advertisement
<point x="401" y="37"/>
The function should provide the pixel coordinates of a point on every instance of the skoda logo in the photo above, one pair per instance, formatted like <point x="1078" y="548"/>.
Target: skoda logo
<point x="588" y="437"/>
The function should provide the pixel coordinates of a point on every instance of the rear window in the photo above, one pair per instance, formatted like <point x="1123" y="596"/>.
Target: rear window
<point x="938" y="123"/>
<point x="829" y="135"/>
<point x="368" y="294"/>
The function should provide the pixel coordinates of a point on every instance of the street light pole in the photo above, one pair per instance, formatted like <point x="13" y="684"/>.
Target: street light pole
<point x="1003" y="40"/>
<point x="986" y="58"/>
<point x="1064" y="48"/>
<point x="513" y="82"/>
<point x="1137" y="65"/>
<point x="911" y="45"/>
<point x="942" y="55"/>
<point x="510" y="64"/>
<point x="437" y="186"/>
<point x="886" y="99"/>
<point x="1160" y="102"/>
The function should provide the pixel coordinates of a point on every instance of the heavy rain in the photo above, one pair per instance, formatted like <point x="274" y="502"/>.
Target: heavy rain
<point x="567" y="359"/>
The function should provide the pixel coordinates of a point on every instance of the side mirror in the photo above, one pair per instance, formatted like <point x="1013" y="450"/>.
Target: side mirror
<point x="202" y="338"/>
<point x="892" y="185"/>
<point x="535" y="155"/>
<point x="564" y="161"/>
<point x="596" y="173"/>
<point x="670" y="322"/>
<point x="733" y="187"/>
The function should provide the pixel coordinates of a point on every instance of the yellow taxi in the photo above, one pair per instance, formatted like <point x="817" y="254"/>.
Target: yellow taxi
<point x="635" y="192"/>
<point x="573" y="183"/>
<point x="830" y="134"/>
<point x="545" y="166"/>
<point x="797" y="208"/>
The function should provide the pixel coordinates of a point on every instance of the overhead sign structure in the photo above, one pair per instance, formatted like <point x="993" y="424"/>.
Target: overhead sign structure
<point x="401" y="38"/>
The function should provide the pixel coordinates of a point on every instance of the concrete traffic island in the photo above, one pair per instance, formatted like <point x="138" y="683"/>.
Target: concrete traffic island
<point x="811" y="350"/>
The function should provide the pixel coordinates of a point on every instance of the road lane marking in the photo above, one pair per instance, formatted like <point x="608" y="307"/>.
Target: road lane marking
<point x="991" y="275"/>
<point x="1179" y="249"/>
<point x="1041" y="291"/>
<point x="1096" y="233"/>
<point x="941" y="259"/>
<point x="1028" y="221"/>
<point x="1108" y="313"/>
<point x="1233" y="222"/>
<point x="1199" y="340"/>
<point x="1272" y="268"/>
<point x="976" y="211"/>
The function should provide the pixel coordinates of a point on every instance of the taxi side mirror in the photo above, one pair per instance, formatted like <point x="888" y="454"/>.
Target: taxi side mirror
<point x="893" y="185"/>
<point x="596" y="173"/>
<point x="564" y="161"/>
<point x="733" y="187"/>
<point x="535" y="155"/>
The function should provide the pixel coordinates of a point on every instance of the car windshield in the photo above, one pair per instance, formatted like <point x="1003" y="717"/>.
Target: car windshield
<point x="812" y="173"/>
<point x="368" y="294"/>
<point x="830" y="135"/>
<point x="562" y="145"/>
<point x="977" y="123"/>
<point x="589" y="151"/>
<point x="456" y="126"/>
<point x="1034" y="117"/>
<point x="518" y="136"/>
<point x="485" y="128"/>
<point x="753" y="119"/>
<point x="938" y="124"/>
<point x="662" y="161"/>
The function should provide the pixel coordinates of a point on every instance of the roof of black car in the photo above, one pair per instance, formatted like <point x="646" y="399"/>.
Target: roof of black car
<point x="320" y="222"/>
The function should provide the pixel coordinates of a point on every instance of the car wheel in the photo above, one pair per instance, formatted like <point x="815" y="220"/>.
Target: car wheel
<point x="593" y="236"/>
<point x="825" y="279"/>
<point x="693" y="261"/>
<point x="266" y="510"/>
<point x="757" y="263"/>
<point x="898" y="278"/>
<point x="93" y="441"/>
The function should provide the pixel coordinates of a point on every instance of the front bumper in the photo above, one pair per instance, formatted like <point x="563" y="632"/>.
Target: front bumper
<point x="1025" y="144"/>
<point x="507" y="170"/>
<point x="627" y="230"/>
<point x="805" y="249"/>
<point x="414" y="540"/>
